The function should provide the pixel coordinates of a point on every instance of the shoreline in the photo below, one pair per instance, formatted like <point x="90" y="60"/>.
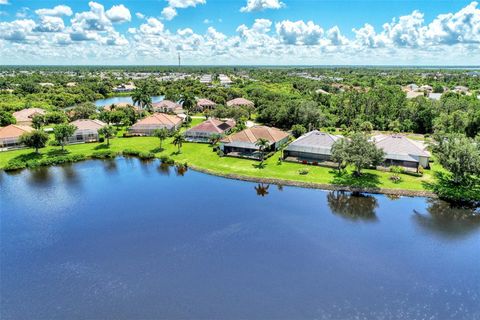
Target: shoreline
<point x="313" y="185"/>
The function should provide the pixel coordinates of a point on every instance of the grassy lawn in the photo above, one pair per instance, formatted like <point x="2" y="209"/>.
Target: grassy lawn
<point x="202" y="156"/>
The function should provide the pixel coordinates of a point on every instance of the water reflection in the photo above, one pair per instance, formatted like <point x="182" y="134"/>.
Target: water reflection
<point x="446" y="220"/>
<point x="70" y="174"/>
<point x="180" y="170"/>
<point x="353" y="206"/>
<point x="41" y="176"/>
<point x="110" y="165"/>
<point x="164" y="169"/>
<point x="262" y="189"/>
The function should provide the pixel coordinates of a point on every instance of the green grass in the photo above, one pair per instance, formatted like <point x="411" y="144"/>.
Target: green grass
<point x="202" y="156"/>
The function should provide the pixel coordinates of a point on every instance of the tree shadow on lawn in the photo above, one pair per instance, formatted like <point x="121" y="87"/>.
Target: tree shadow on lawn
<point x="27" y="156"/>
<point x="365" y="180"/>
<point x="157" y="150"/>
<point x="57" y="152"/>
<point x="102" y="146"/>
<point x="259" y="165"/>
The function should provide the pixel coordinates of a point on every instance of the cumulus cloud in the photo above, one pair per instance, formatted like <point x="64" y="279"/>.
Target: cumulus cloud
<point x="260" y="5"/>
<point x="93" y="20"/>
<point x="57" y="11"/>
<point x="17" y="31"/>
<point x="119" y="14"/>
<point x="299" y="32"/>
<point x="170" y="11"/>
<point x="257" y="35"/>
<point x="3" y="2"/>
<point x="140" y="15"/>
<point x="50" y="24"/>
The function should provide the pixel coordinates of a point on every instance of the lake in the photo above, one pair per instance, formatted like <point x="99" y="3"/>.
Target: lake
<point x="121" y="99"/>
<point x="124" y="239"/>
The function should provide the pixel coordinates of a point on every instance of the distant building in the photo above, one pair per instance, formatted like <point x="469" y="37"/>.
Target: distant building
<point x="240" y="102"/>
<point x="87" y="130"/>
<point x="314" y="146"/>
<point x="25" y="116"/>
<point x="435" y="96"/>
<point x="414" y="94"/>
<point x="402" y="151"/>
<point x="205" y="130"/>
<point x="121" y="105"/>
<point x="147" y="125"/>
<point x="124" y="88"/>
<point x="10" y="136"/>
<point x="411" y="87"/>
<point x="243" y="143"/>
<point x="426" y="88"/>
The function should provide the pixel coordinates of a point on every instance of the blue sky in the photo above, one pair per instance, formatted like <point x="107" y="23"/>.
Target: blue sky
<point x="221" y="32"/>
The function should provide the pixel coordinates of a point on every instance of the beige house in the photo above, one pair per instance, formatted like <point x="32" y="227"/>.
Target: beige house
<point x="402" y="151"/>
<point x="243" y="143"/>
<point x="10" y="136"/>
<point x="240" y="102"/>
<point x="24" y="117"/>
<point x="87" y="130"/>
<point x="167" y="106"/>
<point x="205" y="104"/>
<point x="147" y="125"/>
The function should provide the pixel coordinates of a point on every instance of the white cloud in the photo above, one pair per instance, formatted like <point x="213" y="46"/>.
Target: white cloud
<point x="207" y="21"/>
<point x="50" y="24"/>
<point x="335" y="37"/>
<point x="57" y="11"/>
<point x="3" y="2"/>
<point x="17" y="31"/>
<point x="119" y="14"/>
<point x="169" y="13"/>
<point x="93" y="20"/>
<point x="140" y="15"/>
<point x="257" y="35"/>
<point x="259" y="5"/>
<point x="22" y="13"/>
<point x="299" y="32"/>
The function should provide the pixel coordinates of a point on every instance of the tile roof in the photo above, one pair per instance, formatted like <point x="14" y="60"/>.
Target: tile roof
<point x="213" y="125"/>
<point x="205" y="102"/>
<point x="240" y="102"/>
<point x="159" y="119"/>
<point x="167" y="104"/>
<point x="88" y="124"/>
<point x="253" y="134"/>
<point x="14" y="131"/>
<point x="27" y="114"/>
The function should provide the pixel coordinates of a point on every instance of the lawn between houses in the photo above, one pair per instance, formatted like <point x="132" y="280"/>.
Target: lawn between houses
<point x="202" y="156"/>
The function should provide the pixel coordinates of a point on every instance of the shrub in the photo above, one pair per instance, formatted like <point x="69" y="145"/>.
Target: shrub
<point x="131" y="153"/>
<point x="101" y="139"/>
<point x="420" y="170"/>
<point x="395" y="178"/>
<point x="104" y="154"/>
<point x="396" y="169"/>
<point x="220" y="153"/>
<point x="303" y="172"/>
<point x="15" y="164"/>
<point x="146" y="155"/>
<point x="167" y="160"/>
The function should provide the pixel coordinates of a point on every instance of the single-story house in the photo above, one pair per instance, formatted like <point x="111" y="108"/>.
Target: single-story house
<point x="314" y="146"/>
<point x="167" y="106"/>
<point x="242" y="144"/>
<point x="414" y="94"/>
<point x="10" y="136"/>
<point x="205" y="130"/>
<point x="435" y="96"/>
<point x="87" y="130"/>
<point x="205" y="104"/>
<point x="147" y="125"/>
<point x="240" y="102"/>
<point x="129" y="87"/>
<point x="121" y="105"/>
<point x="411" y="87"/>
<point x="402" y="151"/>
<point x="426" y="88"/>
<point x="24" y="117"/>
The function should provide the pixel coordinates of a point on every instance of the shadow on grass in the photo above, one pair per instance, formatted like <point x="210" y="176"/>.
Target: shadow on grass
<point x="57" y="152"/>
<point x="259" y="165"/>
<point x="157" y="150"/>
<point x="175" y="153"/>
<point x="27" y="156"/>
<point x="102" y="146"/>
<point x="366" y="180"/>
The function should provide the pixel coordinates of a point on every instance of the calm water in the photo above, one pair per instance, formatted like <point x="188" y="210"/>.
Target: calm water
<point x="111" y="100"/>
<point x="126" y="240"/>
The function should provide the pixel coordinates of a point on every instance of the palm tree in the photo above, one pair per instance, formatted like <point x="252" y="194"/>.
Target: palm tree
<point x="262" y="144"/>
<point x="188" y="102"/>
<point x="141" y="96"/>
<point x="178" y="140"/>
<point x="108" y="132"/>
<point x="161" y="134"/>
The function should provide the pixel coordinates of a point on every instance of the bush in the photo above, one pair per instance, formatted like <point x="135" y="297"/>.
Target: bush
<point x="303" y="171"/>
<point x="396" y="169"/>
<point x="104" y="154"/>
<point x="146" y="155"/>
<point x="131" y="153"/>
<point x="14" y="165"/>
<point x="220" y="153"/>
<point x="420" y="170"/>
<point x="101" y="139"/>
<point x="167" y="160"/>
<point x="395" y="178"/>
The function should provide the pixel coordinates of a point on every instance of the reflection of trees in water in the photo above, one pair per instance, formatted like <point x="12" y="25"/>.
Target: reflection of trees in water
<point x="181" y="169"/>
<point x="393" y="196"/>
<point x="354" y="206"/>
<point x="41" y="176"/>
<point x="164" y="168"/>
<point x="262" y="189"/>
<point x="110" y="165"/>
<point x="279" y="187"/>
<point x="447" y="220"/>
<point x="70" y="174"/>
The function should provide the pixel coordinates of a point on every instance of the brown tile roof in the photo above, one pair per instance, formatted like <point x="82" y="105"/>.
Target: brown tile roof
<point x="166" y="104"/>
<point x="205" y="103"/>
<point x="160" y="119"/>
<point x="88" y="124"/>
<point x="240" y="102"/>
<point x="14" y="131"/>
<point x="213" y="125"/>
<point x="27" y="114"/>
<point x="251" y="135"/>
<point x="120" y="105"/>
